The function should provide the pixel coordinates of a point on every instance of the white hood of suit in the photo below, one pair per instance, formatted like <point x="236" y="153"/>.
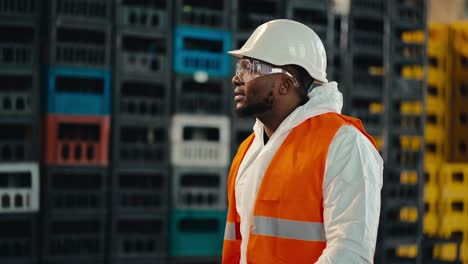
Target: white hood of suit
<point x="322" y="99"/>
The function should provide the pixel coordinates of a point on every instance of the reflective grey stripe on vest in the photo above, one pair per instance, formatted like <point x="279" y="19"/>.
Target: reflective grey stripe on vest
<point x="308" y="231"/>
<point x="230" y="231"/>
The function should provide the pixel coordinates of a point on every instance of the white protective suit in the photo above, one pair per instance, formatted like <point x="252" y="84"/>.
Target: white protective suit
<point x="351" y="186"/>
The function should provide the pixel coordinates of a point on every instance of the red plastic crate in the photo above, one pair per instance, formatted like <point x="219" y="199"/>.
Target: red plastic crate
<point x="77" y="140"/>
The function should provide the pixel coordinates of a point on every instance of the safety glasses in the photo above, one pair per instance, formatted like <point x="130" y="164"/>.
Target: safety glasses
<point x="249" y="69"/>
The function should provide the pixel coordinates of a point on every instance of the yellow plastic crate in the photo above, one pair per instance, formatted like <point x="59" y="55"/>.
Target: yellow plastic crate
<point x="437" y="56"/>
<point x="437" y="78"/>
<point x="454" y="174"/>
<point x="431" y="224"/>
<point x="448" y="251"/>
<point x="431" y="171"/>
<point x="459" y="35"/>
<point x="438" y="33"/>
<point x="431" y="193"/>
<point x="435" y="145"/>
<point x="452" y="225"/>
<point x="436" y="114"/>
<point x="453" y="191"/>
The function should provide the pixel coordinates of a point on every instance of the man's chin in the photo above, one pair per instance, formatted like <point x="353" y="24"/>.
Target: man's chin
<point x="242" y="112"/>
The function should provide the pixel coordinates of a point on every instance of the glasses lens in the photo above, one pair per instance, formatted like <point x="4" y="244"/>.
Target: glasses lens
<point x="244" y="70"/>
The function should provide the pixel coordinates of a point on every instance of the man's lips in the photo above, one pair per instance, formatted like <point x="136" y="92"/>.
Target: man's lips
<point x="239" y="95"/>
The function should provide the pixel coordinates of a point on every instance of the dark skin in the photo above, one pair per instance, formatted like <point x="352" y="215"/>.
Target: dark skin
<point x="271" y="98"/>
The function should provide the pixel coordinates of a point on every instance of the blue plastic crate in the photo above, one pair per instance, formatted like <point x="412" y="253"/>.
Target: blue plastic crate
<point x="197" y="232"/>
<point x="78" y="91"/>
<point x="197" y="49"/>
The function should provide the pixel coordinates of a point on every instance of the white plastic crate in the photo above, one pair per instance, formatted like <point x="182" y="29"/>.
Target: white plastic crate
<point x="19" y="187"/>
<point x="199" y="188"/>
<point x="200" y="141"/>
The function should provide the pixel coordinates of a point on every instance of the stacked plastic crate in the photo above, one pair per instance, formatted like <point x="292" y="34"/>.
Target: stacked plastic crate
<point x="404" y="119"/>
<point x="335" y="52"/>
<point x="19" y="152"/>
<point x="77" y="96"/>
<point x="363" y="66"/>
<point x="436" y="130"/>
<point x="140" y="171"/>
<point x="200" y="133"/>
<point x="458" y="151"/>
<point x="449" y="60"/>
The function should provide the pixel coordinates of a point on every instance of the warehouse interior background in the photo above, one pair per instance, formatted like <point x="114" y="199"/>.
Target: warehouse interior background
<point x="117" y="124"/>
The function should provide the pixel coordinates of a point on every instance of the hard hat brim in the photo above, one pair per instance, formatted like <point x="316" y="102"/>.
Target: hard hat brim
<point x="237" y="53"/>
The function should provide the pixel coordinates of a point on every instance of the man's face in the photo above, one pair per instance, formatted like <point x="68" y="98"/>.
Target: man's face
<point x="254" y="97"/>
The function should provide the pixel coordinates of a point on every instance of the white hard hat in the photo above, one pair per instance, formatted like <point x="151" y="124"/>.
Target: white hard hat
<point x="282" y="42"/>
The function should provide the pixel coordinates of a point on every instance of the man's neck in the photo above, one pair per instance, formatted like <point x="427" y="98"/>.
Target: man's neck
<point x="272" y="120"/>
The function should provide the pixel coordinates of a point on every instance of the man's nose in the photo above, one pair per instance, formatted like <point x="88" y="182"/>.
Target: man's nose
<point x="237" y="81"/>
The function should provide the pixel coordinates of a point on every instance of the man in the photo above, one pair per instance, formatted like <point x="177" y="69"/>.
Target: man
<point x="305" y="186"/>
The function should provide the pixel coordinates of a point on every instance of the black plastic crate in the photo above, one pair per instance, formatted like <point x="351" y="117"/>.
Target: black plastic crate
<point x="367" y="8"/>
<point x="144" y="55"/>
<point x="19" y="11"/>
<point x="75" y="44"/>
<point x="141" y="144"/>
<point x="18" y="46"/>
<point x="199" y="188"/>
<point x="18" y="142"/>
<point x="366" y="84"/>
<point x="363" y="63"/>
<point x="371" y="121"/>
<point x="210" y="96"/>
<point x="408" y="13"/>
<point x="19" y="238"/>
<point x="18" y="95"/>
<point x="81" y="11"/>
<point x="249" y="14"/>
<point x="314" y="14"/>
<point x="195" y="260"/>
<point x="367" y="43"/>
<point x="408" y="89"/>
<point x="140" y="260"/>
<point x="139" y="236"/>
<point x="400" y="229"/>
<point x="75" y="190"/>
<point x="409" y="53"/>
<point x="74" y="237"/>
<point x="142" y="99"/>
<point x="137" y="190"/>
<point x="144" y="15"/>
<point x="399" y="195"/>
<point x="203" y="13"/>
<point x="405" y="157"/>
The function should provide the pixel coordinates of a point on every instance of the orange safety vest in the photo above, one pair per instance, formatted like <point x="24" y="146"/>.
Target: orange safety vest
<point x="288" y="212"/>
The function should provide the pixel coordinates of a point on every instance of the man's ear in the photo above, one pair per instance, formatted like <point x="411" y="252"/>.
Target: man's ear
<point x="286" y="85"/>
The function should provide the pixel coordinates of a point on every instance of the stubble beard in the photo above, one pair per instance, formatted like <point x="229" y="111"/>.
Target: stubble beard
<point x="256" y="108"/>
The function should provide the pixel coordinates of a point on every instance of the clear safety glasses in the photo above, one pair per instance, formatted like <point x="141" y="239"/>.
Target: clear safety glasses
<point x="249" y="69"/>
